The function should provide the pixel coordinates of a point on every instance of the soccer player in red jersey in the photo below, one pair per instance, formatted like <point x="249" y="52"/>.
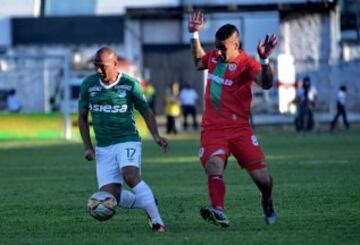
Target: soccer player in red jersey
<point x="225" y="125"/>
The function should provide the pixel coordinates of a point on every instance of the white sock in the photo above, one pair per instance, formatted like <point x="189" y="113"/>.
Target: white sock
<point x="145" y="199"/>
<point x="127" y="199"/>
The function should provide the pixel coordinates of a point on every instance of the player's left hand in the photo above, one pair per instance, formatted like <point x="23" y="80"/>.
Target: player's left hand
<point x="266" y="47"/>
<point x="162" y="142"/>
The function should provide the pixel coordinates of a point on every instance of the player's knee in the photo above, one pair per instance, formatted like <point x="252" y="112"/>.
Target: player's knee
<point x="131" y="176"/>
<point x="214" y="166"/>
<point x="113" y="189"/>
<point x="257" y="168"/>
<point x="261" y="177"/>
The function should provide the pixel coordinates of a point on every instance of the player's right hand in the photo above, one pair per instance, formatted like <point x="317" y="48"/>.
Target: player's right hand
<point x="89" y="154"/>
<point x="162" y="142"/>
<point x="196" y="21"/>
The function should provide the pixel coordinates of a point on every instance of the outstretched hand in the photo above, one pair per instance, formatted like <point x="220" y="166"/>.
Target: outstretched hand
<point x="196" y="21"/>
<point x="162" y="142"/>
<point x="266" y="47"/>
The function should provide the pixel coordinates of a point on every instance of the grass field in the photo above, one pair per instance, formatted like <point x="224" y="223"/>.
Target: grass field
<point x="48" y="126"/>
<point x="45" y="186"/>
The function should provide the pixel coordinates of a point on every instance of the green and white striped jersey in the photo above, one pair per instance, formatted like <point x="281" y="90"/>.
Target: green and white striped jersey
<point x="112" y="108"/>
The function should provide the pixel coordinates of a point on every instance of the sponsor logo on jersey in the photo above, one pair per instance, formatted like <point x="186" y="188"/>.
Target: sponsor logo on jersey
<point x="220" y="80"/>
<point x="232" y="67"/>
<point x="108" y="108"/>
<point x="94" y="89"/>
<point x="121" y="93"/>
<point x="124" y="87"/>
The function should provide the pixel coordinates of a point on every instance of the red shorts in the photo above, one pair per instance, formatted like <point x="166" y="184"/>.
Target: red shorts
<point x="240" y="142"/>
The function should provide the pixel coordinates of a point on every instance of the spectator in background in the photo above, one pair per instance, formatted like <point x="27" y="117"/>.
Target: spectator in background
<point x="311" y="92"/>
<point x="341" y="108"/>
<point x="188" y="97"/>
<point x="299" y="101"/>
<point x="14" y="103"/>
<point x="306" y="95"/>
<point x="150" y="91"/>
<point x="172" y="108"/>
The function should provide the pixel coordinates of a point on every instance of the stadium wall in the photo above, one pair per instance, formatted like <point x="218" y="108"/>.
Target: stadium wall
<point x="36" y="71"/>
<point x="313" y="41"/>
<point x="310" y="37"/>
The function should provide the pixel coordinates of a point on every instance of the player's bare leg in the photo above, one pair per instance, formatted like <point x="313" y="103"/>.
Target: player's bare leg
<point x="214" y="168"/>
<point x="125" y="198"/>
<point x="264" y="182"/>
<point x="114" y="189"/>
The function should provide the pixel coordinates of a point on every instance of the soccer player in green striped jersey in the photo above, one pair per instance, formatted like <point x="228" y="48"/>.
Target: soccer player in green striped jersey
<point x="111" y="97"/>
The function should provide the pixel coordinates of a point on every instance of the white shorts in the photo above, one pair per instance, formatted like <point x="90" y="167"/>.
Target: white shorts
<point x="111" y="159"/>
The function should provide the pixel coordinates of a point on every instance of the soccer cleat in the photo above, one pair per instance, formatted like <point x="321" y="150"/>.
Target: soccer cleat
<point x="269" y="211"/>
<point x="214" y="216"/>
<point x="158" y="228"/>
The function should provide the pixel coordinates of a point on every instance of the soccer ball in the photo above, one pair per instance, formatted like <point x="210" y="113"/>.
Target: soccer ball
<point x="101" y="205"/>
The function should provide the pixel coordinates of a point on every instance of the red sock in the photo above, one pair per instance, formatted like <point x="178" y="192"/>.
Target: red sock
<point x="216" y="191"/>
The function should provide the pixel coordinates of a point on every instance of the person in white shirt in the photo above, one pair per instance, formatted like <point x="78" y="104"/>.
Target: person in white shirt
<point x="188" y="97"/>
<point x="341" y="108"/>
<point x="14" y="103"/>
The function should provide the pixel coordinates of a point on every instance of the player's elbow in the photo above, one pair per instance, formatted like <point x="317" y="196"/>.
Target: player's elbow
<point x="199" y="66"/>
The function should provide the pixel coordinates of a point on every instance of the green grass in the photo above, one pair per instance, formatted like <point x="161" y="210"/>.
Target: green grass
<point x="45" y="186"/>
<point x="50" y="126"/>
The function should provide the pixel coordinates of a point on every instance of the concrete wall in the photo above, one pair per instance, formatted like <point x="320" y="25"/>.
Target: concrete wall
<point x="313" y="40"/>
<point x="36" y="71"/>
<point x="5" y="30"/>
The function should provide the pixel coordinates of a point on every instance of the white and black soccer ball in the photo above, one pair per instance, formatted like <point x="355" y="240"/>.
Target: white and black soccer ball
<point x="102" y="205"/>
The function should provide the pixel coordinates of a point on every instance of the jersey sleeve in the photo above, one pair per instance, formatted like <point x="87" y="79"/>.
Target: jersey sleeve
<point x="84" y="95"/>
<point x="205" y="60"/>
<point x="139" y="98"/>
<point x="254" y="68"/>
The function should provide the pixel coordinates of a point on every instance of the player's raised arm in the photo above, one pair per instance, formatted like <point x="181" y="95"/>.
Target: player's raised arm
<point x="265" y="78"/>
<point x="195" y="24"/>
<point x="150" y="121"/>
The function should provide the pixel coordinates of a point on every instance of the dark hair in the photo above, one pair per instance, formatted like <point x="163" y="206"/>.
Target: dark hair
<point x="343" y="87"/>
<point x="226" y="31"/>
<point x="12" y="91"/>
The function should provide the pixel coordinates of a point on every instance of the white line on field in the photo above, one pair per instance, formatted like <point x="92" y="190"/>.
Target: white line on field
<point x="324" y="161"/>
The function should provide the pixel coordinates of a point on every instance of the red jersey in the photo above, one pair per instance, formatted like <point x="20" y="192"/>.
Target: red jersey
<point x="228" y="90"/>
